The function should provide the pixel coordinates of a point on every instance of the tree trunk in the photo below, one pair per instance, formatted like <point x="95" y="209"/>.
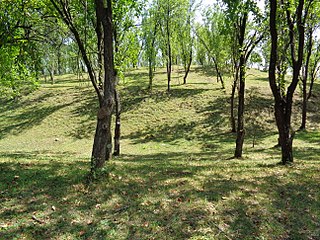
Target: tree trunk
<point x="284" y="128"/>
<point x="311" y="86"/>
<point x="169" y="75"/>
<point x="219" y="76"/>
<point x="283" y="102"/>
<point x="233" y="92"/>
<point x="151" y="75"/>
<point x="59" y="62"/>
<point x="240" y="129"/>
<point x="304" y="84"/>
<point x="102" y="146"/>
<point x="304" y="104"/>
<point x="117" y="131"/>
<point x="169" y="64"/>
<point x="169" y="60"/>
<point x="242" y="79"/>
<point x="187" y="68"/>
<point x="52" y="76"/>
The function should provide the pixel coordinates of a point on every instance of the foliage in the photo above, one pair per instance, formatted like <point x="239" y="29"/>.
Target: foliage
<point x="15" y="78"/>
<point x="216" y="35"/>
<point x="19" y="60"/>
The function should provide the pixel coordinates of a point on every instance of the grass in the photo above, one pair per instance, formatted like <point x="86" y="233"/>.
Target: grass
<point x="175" y="178"/>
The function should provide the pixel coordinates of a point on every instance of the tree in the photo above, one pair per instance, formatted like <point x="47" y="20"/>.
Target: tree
<point x="186" y="39"/>
<point x="105" y="89"/>
<point x="20" y="61"/>
<point x="311" y="26"/>
<point x="284" y="98"/>
<point x="170" y="14"/>
<point x="314" y="66"/>
<point x="238" y="14"/>
<point x="215" y="39"/>
<point x="126" y="51"/>
<point x="151" y="25"/>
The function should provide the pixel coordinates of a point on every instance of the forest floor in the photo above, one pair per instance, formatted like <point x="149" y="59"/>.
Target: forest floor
<point x="175" y="178"/>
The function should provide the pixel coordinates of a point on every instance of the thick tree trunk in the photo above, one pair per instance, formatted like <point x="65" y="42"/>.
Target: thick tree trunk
<point x="117" y="131"/>
<point x="284" y="128"/>
<point x="240" y="128"/>
<point x="102" y="145"/>
<point x="283" y="102"/>
<point x="242" y="79"/>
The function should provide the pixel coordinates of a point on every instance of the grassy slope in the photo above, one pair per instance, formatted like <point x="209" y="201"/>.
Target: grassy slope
<point x="174" y="180"/>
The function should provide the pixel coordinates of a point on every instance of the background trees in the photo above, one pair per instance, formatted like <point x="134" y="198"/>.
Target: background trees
<point x="19" y="24"/>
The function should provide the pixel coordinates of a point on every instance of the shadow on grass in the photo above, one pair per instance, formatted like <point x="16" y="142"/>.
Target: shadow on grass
<point x="211" y="131"/>
<point x="8" y="105"/>
<point x="309" y="136"/>
<point x="160" y="196"/>
<point x="28" y="118"/>
<point x="66" y="79"/>
<point x="295" y="204"/>
<point x="37" y="196"/>
<point x="207" y="71"/>
<point x="86" y="110"/>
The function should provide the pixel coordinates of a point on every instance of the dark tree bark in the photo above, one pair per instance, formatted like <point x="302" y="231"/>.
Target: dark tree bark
<point x="283" y="102"/>
<point x="99" y="33"/>
<point x="240" y="125"/>
<point x="232" y="97"/>
<point x="187" y="67"/>
<point x="117" y="129"/>
<point x="242" y="69"/>
<point x="313" y="75"/>
<point x="169" y="57"/>
<point x="245" y="51"/>
<point x="102" y="145"/>
<point x="304" y="83"/>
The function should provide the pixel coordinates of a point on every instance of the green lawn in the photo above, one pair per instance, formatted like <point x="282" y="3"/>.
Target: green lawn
<point x="175" y="179"/>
